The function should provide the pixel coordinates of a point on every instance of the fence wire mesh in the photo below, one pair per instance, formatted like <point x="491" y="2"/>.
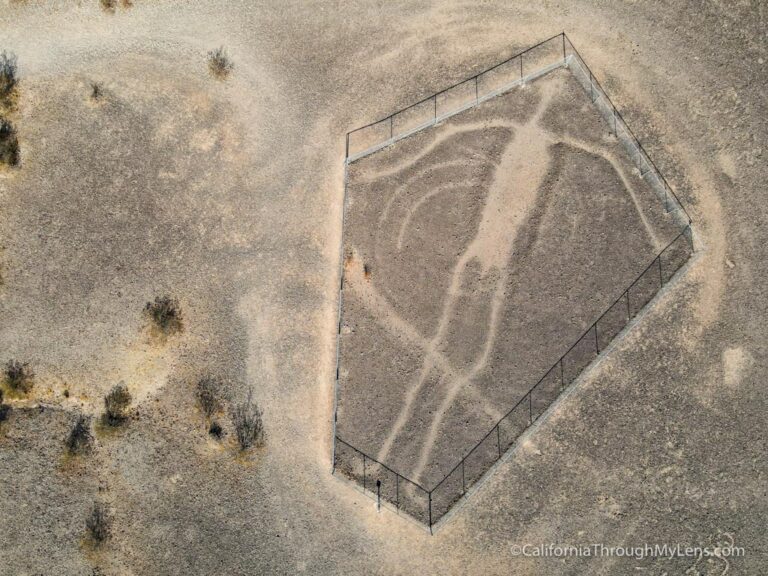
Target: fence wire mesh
<point x="404" y="495"/>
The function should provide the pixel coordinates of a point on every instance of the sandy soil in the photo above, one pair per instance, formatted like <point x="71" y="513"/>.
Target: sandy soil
<point x="664" y="442"/>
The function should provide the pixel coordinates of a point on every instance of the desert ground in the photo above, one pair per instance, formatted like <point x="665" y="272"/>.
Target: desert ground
<point x="227" y="194"/>
<point x="477" y="252"/>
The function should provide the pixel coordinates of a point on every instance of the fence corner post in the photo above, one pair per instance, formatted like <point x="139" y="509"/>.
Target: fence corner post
<point x="430" y="512"/>
<point x="563" y="35"/>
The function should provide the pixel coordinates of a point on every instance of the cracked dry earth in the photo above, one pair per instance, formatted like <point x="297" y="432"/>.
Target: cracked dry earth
<point x="477" y="253"/>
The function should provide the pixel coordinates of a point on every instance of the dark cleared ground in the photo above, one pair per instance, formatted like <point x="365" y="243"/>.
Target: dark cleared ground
<point x="421" y="220"/>
<point x="664" y="442"/>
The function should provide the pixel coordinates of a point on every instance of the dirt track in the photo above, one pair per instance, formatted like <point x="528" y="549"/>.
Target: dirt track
<point x="665" y="443"/>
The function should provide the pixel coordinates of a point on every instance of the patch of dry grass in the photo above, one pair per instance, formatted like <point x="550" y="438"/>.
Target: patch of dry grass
<point x="19" y="376"/>
<point x="80" y="439"/>
<point x="116" y="404"/>
<point x="219" y="63"/>
<point x="99" y="524"/>
<point x="249" y="425"/>
<point x="9" y="144"/>
<point x="208" y="391"/>
<point x="165" y="312"/>
<point x="8" y="78"/>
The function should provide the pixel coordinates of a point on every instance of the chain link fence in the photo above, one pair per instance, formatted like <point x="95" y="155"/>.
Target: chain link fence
<point x="428" y="506"/>
<point x="518" y="69"/>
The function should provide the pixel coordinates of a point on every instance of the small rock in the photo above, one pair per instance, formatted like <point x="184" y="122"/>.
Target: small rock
<point x="729" y="263"/>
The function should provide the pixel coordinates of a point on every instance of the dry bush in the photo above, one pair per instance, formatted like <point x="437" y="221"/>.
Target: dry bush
<point x="249" y="426"/>
<point x="111" y="5"/>
<point x="96" y="91"/>
<point x="219" y="63"/>
<point x="165" y="312"/>
<point x="99" y="523"/>
<point x="116" y="403"/>
<point x="8" y="79"/>
<point x="80" y="439"/>
<point x="216" y="430"/>
<point x="4" y="410"/>
<point x="9" y="144"/>
<point x="19" y="376"/>
<point x="208" y="389"/>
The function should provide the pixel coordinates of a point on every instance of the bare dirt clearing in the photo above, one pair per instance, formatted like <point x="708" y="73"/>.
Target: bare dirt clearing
<point x="476" y="253"/>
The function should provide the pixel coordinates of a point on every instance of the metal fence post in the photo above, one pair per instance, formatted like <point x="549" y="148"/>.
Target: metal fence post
<point x="391" y="127"/>
<point x="661" y="276"/>
<point x="477" y="96"/>
<point x="629" y="314"/>
<point x="346" y="155"/>
<point x="597" y="343"/>
<point x="430" y="512"/>
<point x="363" y="472"/>
<point x="463" y="478"/>
<point x="521" y="66"/>
<point x="498" y="439"/>
<point x="397" y="492"/>
<point x="563" y="35"/>
<point x="530" y="408"/>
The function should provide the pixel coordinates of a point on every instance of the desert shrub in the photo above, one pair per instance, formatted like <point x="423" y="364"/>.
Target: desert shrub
<point x="8" y="69"/>
<point x="99" y="523"/>
<point x="219" y="63"/>
<point x="19" y="376"/>
<point x="165" y="312"/>
<point x="248" y="422"/>
<point x="80" y="439"/>
<point x="4" y="410"/>
<point x="116" y="403"/>
<point x="208" y="395"/>
<point x="96" y="91"/>
<point x="216" y="430"/>
<point x="108" y="5"/>
<point x="9" y="144"/>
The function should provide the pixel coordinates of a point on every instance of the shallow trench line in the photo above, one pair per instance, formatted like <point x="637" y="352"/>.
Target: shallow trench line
<point x="433" y="358"/>
<point x="398" y="326"/>
<point x="525" y="161"/>
<point x="491" y="246"/>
